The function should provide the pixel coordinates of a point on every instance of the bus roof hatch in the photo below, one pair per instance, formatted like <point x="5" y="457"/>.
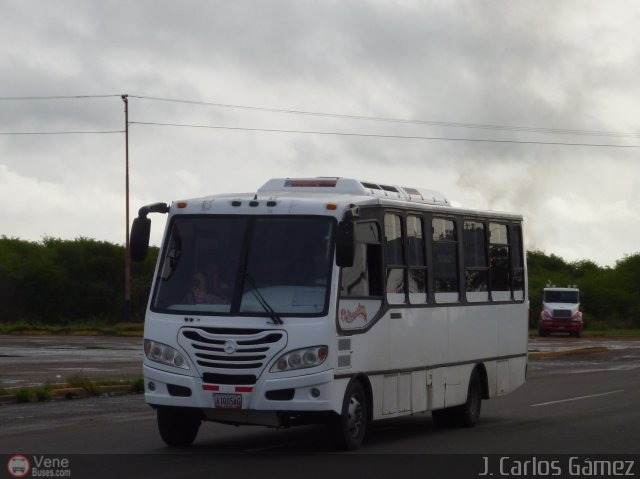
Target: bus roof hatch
<point x="350" y="186"/>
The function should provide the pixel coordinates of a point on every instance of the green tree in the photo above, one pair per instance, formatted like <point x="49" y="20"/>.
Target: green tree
<point x="57" y="281"/>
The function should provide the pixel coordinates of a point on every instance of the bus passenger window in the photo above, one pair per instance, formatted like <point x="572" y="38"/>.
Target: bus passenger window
<point x="395" y="286"/>
<point x="517" y="262"/>
<point x="417" y="266"/>
<point x="499" y="261"/>
<point x="363" y="279"/>
<point x="445" y="260"/>
<point x="476" y="268"/>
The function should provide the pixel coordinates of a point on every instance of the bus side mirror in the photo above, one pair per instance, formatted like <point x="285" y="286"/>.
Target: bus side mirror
<point x="140" y="233"/>
<point x="141" y="230"/>
<point x="345" y="244"/>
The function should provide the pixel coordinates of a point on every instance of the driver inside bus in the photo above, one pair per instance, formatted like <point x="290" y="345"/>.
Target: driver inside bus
<point x="198" y="294"/>
<point x="217" y="286"/>
<point x="209" y="289"/>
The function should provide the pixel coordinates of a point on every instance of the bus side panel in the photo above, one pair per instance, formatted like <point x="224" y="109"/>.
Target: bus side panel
<point x="513" y="329"/>
<point x="413" y="337"/>
<point x="457" y="382"/>
<point x="418" y="337"/>
<point x="510" y="374"/>
<point x="404" y="393"/>
<point x="517" y="372"/>
<point x="512" y="340"/>
<point x="473" y="333"/>
<point x="419" y="391"/>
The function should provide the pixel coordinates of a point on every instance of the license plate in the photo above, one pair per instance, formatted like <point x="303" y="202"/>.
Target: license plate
<point x="227" y="401"/>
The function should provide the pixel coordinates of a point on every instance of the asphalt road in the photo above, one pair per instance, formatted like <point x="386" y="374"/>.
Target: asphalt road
<point x="34" y="360"/>
<point x="573" y="403"/>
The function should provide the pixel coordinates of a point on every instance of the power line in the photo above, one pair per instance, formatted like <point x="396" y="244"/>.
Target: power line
<point x="94" y="132"/>
<point x="375" y="135"/>
<point x="556" y="131"/>
<point x="56" y="97"/>
<point x="509" y="128"/>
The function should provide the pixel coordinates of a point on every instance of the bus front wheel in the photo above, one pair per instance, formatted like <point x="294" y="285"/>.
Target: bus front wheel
<point x="178" y="427"/>
<point x="349" y="427"/>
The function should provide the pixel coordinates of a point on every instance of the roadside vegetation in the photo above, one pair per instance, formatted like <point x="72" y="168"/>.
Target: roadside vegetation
<point x="77" y="287"/>
<point x="69" y="285"/>
<point x="76" y="328"/>
<point x="75" y="386"/>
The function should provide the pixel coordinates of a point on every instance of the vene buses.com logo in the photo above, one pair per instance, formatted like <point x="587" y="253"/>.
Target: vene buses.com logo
<point x="18" y="466"/>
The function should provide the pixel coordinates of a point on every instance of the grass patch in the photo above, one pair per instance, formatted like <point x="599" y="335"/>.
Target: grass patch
<point x="599" y="333"/>
<point x="83" y="382"/>
<point x="24" y="395"/>
<point x="630" y="333"/>
<point x="43" y="393"/>
<point x="37" y="394"/>
<point x="91" y="387"/>
<point x="138" y="384"/>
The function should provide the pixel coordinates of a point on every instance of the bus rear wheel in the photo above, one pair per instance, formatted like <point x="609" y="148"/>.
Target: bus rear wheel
<point x="178" y="427"/>
<point x="350" y="427"/>
<point x="467" y="414"/>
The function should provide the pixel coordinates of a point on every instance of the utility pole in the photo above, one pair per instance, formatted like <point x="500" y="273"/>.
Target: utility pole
<point x="127" y="265"/>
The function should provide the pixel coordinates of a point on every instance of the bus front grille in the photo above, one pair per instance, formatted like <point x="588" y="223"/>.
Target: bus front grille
<point x="231" y="356"/>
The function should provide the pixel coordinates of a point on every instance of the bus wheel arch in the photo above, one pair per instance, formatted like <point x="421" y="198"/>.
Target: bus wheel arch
<point x="484" y="379"/>
<point x="349" y="427"/>
<point x="468" y="413"/>
<point x="366" y="384"/>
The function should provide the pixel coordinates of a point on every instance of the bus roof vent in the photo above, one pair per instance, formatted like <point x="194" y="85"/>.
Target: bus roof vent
<point x="418" y="195"/>
<point x="350" y="186"/>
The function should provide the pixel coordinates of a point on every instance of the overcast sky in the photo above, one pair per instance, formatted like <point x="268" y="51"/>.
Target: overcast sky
<point x="488" y="70"/>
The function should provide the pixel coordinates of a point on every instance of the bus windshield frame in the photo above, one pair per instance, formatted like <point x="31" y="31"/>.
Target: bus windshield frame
<point x="246" y="265"/>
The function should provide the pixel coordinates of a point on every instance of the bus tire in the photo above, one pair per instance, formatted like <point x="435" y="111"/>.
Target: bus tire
<point x="467" y="414"/>
<point x="178" y="427"/>
<point x="350" y="427"/>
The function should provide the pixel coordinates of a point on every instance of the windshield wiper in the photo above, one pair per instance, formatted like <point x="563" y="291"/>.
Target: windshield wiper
<point x="263" y="302"/>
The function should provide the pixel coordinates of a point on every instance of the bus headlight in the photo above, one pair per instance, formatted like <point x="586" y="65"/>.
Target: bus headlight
<point x="301" y="358"/>
<point x="161" y="353"/>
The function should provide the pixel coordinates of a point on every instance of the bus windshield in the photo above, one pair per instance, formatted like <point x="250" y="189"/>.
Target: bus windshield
<point x="245" y="265"/>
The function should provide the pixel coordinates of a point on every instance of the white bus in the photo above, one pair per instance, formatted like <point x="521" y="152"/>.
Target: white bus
<point x="334" y="301"/>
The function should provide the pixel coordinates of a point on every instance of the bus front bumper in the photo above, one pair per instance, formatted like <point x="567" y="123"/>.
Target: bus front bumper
<point x="310" y="392"/>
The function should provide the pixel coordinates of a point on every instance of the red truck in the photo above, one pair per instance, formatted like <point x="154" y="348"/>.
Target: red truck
<point x="561" y="312"/>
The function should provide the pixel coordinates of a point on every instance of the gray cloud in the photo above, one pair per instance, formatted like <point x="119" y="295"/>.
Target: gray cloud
<point x="569" y="65"/>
